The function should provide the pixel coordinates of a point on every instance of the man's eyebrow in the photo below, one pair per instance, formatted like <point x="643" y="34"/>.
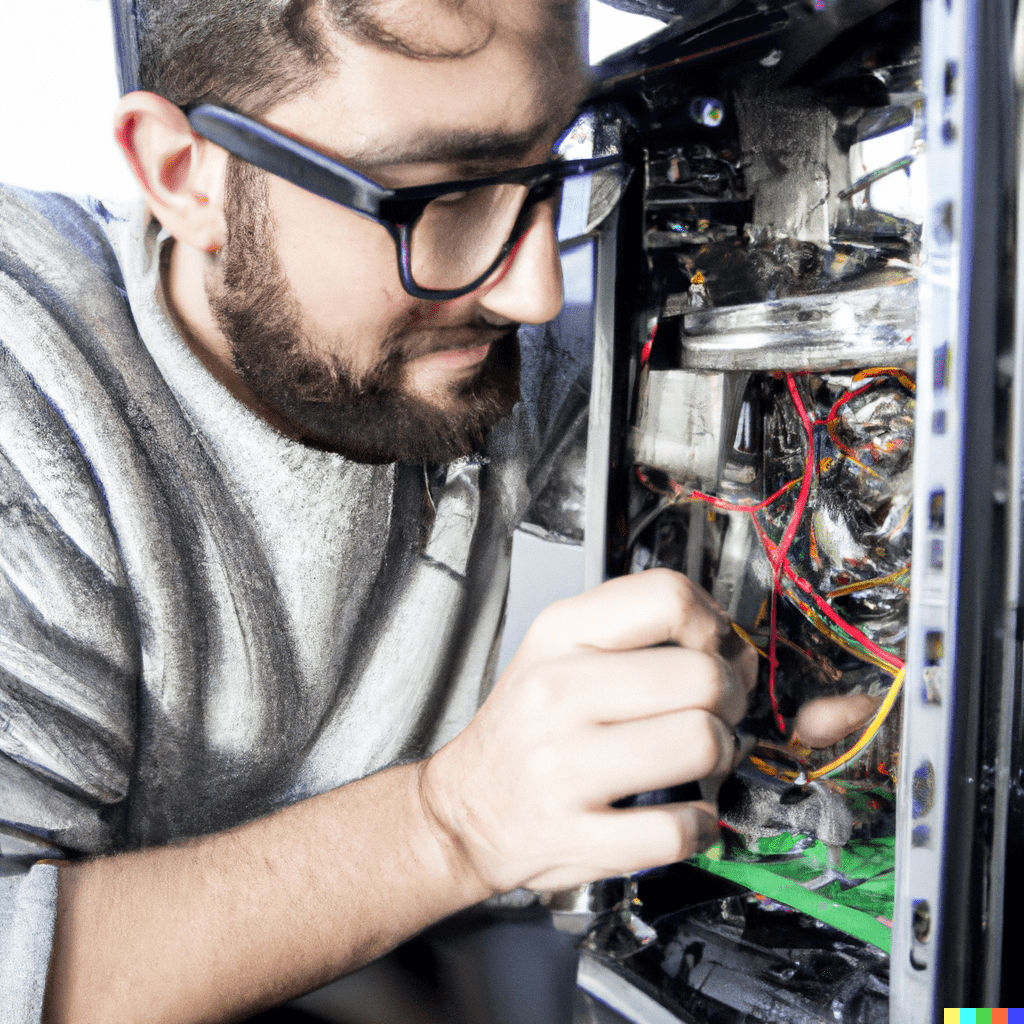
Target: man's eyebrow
<point x="454" y="147"/>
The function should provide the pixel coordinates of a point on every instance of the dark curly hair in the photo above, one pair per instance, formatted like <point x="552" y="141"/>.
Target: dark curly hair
<point x="249" y="54"/>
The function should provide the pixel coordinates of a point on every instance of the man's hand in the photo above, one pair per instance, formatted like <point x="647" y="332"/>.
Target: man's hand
<point x="615" y="692"/>
<point x="827" y="720"/>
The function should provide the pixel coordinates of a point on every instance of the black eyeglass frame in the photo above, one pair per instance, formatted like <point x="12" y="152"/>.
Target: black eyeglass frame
<point x="395" y="209"/>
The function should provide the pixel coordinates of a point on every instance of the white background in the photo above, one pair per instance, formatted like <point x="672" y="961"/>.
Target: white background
<point x="59" y="88"/>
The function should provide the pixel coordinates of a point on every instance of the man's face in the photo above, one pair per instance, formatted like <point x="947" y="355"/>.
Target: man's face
<point x="308" y="292"/>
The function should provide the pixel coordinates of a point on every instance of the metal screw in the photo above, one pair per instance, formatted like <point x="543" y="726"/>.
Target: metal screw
<point x="922" y="920"/>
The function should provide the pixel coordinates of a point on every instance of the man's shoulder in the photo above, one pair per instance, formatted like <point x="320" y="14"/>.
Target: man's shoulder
<point x="40" y="228"/>
<point x="72" y="362"/>
<point x="61" y="277"/>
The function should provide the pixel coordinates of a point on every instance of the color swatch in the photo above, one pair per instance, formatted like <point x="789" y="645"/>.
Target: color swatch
<point x="973" y="1015"/>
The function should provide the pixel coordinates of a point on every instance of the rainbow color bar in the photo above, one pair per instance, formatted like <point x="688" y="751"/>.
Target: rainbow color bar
<point x="973" y="1015"/>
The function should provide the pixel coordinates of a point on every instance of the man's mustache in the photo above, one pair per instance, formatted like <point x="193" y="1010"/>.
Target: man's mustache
<point x="401" y="348"/>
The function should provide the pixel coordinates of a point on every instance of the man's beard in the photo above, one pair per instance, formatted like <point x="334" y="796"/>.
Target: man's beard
<point x="371" y="418"/>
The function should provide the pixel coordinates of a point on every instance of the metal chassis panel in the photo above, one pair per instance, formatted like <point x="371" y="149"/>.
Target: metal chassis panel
<point x="946" y="858"/>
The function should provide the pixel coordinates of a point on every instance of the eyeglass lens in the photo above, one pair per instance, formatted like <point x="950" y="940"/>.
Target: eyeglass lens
<point x="460" y="235"/>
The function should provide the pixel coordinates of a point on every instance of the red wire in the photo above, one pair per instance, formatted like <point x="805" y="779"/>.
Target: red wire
<point x="778" y="558"/>
<point x="645" y="352"/>
<point x="778" y="554"/>
<point x="876" y="377"/>
<point x="773" y="662"/>
<point x="827" y="610"/>
<point x="847" y="396"/>
<point x="728" y="506"/>
<point x="805" y="487"/>
<point x="840" y="402"/>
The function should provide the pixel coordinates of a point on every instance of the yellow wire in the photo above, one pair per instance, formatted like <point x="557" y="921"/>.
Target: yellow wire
<point x="744" y="635"/>
<point x="881" y="581"/>
<point x="765" y="767"/>
<point x="892" y="371"/>
<point x="869" y="733"/>
<point x="865" y="738"/>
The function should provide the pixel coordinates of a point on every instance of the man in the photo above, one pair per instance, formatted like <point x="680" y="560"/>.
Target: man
<point x="258" y="497"/>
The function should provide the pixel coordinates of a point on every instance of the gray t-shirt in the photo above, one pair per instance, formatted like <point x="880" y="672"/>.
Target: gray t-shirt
<point x="202" y="621"/>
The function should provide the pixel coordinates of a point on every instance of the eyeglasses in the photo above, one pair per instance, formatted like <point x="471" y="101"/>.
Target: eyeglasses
<point x="449" y="237"/>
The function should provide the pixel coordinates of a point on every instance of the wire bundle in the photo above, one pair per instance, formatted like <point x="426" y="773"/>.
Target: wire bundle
<point x="815" y="608"/>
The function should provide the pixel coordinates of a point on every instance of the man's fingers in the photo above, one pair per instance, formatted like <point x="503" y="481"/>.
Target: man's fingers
<point x="618" y="686"/>
<point x="618" y="691"/>
<point x="822" y="722"/>
<point x="655" y="753"/>
<point x="647" y="837"/>
<point x="743" y="659"/>
<point x="638" y="610"/>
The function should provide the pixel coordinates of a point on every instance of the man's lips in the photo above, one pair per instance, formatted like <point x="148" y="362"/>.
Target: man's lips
<point x="456" y="358"/>
<point x="455" y="347"/>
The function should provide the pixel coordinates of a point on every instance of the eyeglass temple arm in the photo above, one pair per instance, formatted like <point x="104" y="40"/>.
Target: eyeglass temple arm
<point x="277" y="153"/>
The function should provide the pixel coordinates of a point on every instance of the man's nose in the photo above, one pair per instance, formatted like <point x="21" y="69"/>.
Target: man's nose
<point x="527" y="287"/>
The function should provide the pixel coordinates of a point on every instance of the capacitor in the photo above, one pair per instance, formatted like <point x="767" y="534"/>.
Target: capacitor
<point x="707" y="111"/>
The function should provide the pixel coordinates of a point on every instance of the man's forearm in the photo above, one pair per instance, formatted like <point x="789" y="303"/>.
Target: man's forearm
<point x="227" y="924"/>
<point x="223" y="926"/>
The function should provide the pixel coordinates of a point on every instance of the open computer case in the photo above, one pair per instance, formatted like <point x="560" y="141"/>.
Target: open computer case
<point x="807" y="397"/>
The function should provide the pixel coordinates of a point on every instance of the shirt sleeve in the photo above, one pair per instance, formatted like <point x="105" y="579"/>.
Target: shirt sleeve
<point x="28" y="906"/>
<point x="69" y="654"/>
<point x="69" y="669"/>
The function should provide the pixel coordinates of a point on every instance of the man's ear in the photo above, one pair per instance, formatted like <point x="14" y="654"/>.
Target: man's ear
<point x="181" y="173"/>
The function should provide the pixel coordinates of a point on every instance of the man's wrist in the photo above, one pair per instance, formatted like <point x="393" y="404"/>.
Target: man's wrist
<point x="448" y="839"/>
